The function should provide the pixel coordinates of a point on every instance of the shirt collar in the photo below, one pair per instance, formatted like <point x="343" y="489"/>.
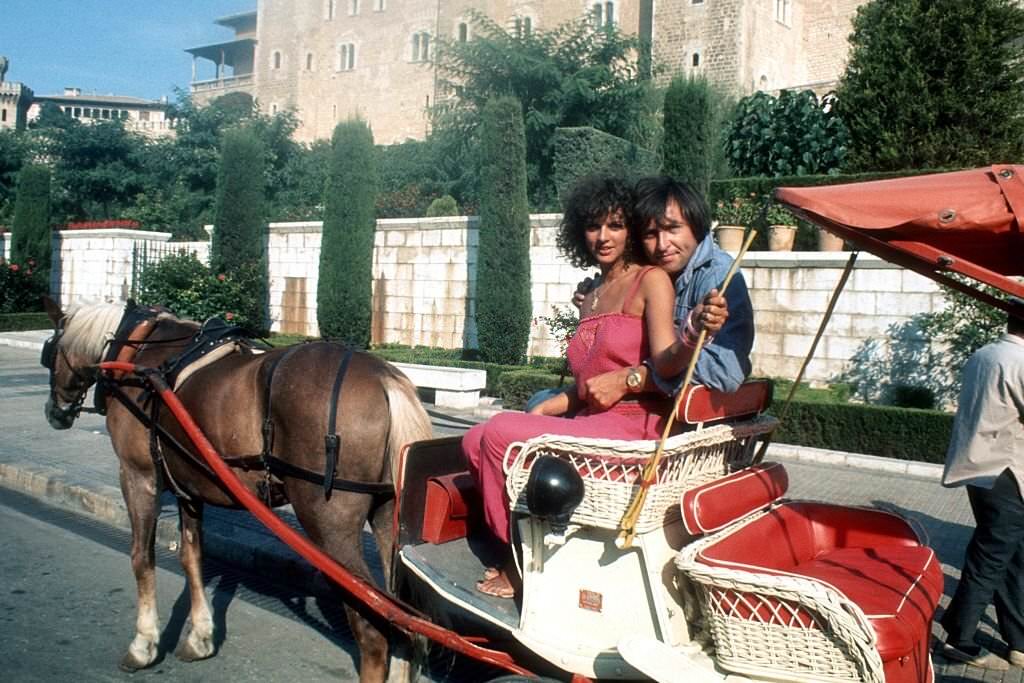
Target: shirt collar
<point x="1012" y="338"/>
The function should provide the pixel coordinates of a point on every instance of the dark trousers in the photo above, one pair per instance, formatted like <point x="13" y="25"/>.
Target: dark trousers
<point x="993" y="566"/>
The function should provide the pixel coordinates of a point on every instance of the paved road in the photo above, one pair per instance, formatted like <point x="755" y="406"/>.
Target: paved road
<point x="53" y="466"/>
<point x="67" y="608"/>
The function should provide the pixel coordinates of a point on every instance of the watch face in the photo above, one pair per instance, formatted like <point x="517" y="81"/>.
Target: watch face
<point x="633" y="380"/>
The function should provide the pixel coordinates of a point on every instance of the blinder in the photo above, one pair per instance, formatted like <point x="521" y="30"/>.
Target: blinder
<point x="48" y="358"/>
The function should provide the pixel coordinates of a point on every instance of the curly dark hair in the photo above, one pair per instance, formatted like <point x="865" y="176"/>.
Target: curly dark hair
<point x="588" y="203"/>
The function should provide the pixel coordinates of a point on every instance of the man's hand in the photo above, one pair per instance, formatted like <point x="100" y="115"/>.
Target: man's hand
<point x="582" y="289"/>
<point x="711" y="313"/>
<point x="604" y="391"/>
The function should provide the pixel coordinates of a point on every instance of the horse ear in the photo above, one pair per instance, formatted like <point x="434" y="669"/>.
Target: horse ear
<point x="53" y="311"/>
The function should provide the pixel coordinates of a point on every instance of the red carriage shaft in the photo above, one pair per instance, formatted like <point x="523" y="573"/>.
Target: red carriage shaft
<point x="369" y="595"/>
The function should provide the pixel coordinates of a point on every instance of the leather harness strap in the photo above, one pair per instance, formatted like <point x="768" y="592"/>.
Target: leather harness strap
<point x="332" y="443"/>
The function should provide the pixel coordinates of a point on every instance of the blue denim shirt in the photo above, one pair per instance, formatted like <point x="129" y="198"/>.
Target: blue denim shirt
<point x="725" y="362"/>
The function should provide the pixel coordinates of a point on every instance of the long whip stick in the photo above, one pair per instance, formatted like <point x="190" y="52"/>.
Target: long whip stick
<point x="628" y="524"/>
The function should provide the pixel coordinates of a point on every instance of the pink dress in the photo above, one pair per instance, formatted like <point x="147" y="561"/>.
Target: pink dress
<point x="602" y="343"/>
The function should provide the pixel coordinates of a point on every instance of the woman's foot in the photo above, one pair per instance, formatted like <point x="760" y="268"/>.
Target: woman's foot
<point x="498" y="586"/>
<point x="491" y="573"/>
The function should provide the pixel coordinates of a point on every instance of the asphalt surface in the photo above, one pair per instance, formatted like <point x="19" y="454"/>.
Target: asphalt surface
<point x="77" y="470"/>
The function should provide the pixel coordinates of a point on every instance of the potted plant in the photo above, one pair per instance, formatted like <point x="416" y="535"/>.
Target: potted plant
<point x="829" y="242"/>
<point x="732" y="216"/>
<point x="781" y="228"/>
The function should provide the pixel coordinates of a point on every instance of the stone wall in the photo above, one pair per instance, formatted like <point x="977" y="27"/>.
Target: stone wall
<point x="424" y="286"/>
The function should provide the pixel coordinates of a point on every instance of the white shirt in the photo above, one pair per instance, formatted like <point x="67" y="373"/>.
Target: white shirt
<point x="988" y="432"/>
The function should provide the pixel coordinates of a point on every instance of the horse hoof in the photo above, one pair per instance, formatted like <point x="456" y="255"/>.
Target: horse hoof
<point x="190" y="652"/>
<point x="130" y="664"/>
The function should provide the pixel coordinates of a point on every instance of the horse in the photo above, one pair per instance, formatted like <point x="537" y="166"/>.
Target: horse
<point x="377" y="412"/>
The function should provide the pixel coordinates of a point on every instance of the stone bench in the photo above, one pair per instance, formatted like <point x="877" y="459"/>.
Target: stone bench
<point x="453" y="387"/>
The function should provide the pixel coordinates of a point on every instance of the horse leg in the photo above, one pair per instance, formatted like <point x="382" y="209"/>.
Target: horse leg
<point x="199" y="643"/>
<point x="140" y="497"/>
<point x="405" y="653"/>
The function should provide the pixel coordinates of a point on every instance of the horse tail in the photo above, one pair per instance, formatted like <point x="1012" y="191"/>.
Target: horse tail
<point x="409" y="420"/>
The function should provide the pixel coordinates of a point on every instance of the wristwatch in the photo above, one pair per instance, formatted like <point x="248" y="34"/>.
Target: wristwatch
<point x="634" y="380"/>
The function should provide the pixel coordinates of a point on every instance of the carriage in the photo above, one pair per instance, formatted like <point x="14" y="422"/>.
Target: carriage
<point x="671" y="560"/>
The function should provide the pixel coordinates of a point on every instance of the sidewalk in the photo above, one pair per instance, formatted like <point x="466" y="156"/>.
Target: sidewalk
<point x="77" y="469"/>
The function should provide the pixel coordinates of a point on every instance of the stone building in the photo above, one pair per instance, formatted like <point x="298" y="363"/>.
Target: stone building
<point x="148" y="117"/>
<point x="15" y="99"/>
<point x="330" y="60"/>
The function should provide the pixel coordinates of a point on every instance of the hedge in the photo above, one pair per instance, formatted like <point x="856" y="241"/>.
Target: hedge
<point x="902" y="433"/>
<point x="517" y="386"/>
<point x="19" y="322"/>
<point x="583" y="151"/>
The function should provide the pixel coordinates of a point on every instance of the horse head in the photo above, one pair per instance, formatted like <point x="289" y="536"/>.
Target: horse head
<point x="71" y="355"/>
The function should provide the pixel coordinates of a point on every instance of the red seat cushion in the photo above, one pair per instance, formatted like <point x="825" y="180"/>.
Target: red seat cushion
<point x="701" y="404"/>
<point x="897" y="587"/>
<point x="719" y="503"/>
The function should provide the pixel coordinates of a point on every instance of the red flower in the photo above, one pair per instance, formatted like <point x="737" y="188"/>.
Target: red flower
<point x="222" y="277"/>
<point x="14" y="267"/>
<point x="28" y="272"/>
<point x="229" y="316"/>
<point x="32" y="262"/>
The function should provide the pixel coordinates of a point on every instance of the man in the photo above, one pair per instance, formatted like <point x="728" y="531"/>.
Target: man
<point x="677" y="237"/>
<point x="986" y="454"/>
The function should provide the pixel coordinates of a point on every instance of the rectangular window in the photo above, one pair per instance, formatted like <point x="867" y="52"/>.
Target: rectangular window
<point x="346" y="57"/>
<point x="3" y="114"/>
<point x="782" y="11"/>
<point x="78" y="113"/>
<point x="331" y="4"/>
<point x="143" y="116"/>
<point x="378" y="5"/>
<point x="353" y="7"/>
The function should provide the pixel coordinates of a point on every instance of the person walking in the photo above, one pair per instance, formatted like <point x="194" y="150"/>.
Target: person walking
<point x="986" y="454"/>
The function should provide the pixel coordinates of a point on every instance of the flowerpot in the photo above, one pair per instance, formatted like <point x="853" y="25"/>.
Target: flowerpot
<point x="780" y="237"/>
<point x="829" y="242"/>
<point x="730" y="237"/>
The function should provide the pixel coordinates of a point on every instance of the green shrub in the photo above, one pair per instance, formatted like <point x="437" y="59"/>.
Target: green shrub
<point x="18" y="322"/>
<point x="580" y="152"/>
<point x="903" y="433"/>
<point x="182" y="283"/>
<point x="693" y="130"/>
<point x="343" y="299"/>
<point x="503" y="302"/>
<point x="240" y="218"/>
<point x="517" y="386"/>
<point x="22" y="287"/>
<point x="31" y="236"/>
<point x="443" y="206"/>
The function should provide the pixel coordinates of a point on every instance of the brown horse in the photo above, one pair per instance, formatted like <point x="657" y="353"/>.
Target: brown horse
<point x="377" y="412"/>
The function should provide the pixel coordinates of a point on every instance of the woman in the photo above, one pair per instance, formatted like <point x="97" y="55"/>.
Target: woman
<point x="624" y="320"/>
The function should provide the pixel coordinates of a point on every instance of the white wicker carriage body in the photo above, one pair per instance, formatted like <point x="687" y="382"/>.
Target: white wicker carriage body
<point x="785" y="627"/>
<point x="611" y="469"/>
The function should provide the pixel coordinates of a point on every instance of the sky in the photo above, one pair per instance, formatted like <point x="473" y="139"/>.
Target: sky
<point x="110" y="47"/>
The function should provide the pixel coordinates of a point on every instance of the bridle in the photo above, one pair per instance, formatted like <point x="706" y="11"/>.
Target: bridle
<point x="48" y="359"/>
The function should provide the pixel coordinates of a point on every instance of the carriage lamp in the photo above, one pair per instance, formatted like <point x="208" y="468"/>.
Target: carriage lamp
<point x="553" y="491"/>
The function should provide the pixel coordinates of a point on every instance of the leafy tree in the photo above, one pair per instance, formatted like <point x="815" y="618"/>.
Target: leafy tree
<point x="31" y="234"/>
<point x="240" y="214"/>
<point x="573" y="75"/>
<point x="792" y="134"/>
<point x="503" y="302"/>
<point x="13" y="153"/>
<point x="694" y="121"/>
<point x="443" y="206"/>
<point x="343" y="299"/>
<point x="934" y="84"/>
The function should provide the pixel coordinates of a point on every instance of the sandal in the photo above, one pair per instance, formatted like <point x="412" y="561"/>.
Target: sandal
<point x="496" y="587"/>
<point x="491" y="573"/>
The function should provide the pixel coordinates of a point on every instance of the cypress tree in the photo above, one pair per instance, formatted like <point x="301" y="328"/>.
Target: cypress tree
<point x="30" y="231"/>
<point x="343" y="298"/>
<point x="690" y="133"/>
<point x="503" y="303"/>
<point x="240" y="214"/>
<point x="238" y="248"/>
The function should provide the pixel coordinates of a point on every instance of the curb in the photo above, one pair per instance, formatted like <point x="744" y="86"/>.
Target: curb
<point x="21" y="343"/>
<point x="860" y="461"/>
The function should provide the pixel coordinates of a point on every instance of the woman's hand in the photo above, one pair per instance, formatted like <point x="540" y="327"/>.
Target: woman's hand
<point x="556" y="405"/>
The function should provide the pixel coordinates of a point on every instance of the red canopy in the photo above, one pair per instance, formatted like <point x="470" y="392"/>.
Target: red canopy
<point x="967" y="222"/>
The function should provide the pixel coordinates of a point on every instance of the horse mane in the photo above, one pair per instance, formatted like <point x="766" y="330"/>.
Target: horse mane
<point x="88" y="328"/>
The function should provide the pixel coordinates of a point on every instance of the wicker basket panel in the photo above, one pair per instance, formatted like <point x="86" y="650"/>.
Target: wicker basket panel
<point x="611" y="470"/>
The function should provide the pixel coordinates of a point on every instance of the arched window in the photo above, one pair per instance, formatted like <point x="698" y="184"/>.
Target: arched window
<point x="353" y="7"/>
<point x="603" y="14"/>
<point x="273" y="108"/>
<point x="346" y="57"/>
<point x="309" y="61"/>
<point x="695" y="59"/>
<point x="277" y="59"/>
<point x="331" y="7"/>
<point x="463" y="32"/>
<point x="523" y="26"/>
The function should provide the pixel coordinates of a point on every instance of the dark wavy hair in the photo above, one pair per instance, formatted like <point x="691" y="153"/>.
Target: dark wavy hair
<point x="652" y="195"/>
<point x="588" y="203"/>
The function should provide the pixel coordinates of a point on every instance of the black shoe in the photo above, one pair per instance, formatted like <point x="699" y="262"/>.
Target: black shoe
<point x="984" y="659"/>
